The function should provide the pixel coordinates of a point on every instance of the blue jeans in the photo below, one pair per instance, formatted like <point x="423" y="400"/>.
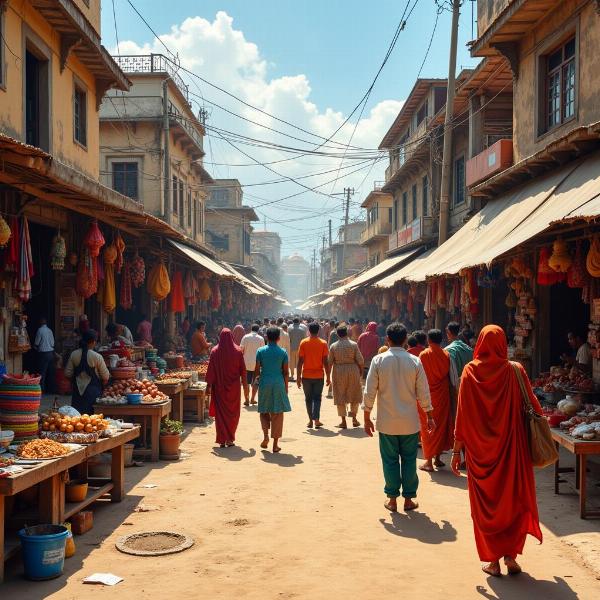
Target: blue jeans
<point x="313" y="389"/>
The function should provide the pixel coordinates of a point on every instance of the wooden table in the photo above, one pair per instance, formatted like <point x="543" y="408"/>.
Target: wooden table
<point x="51" y="475"/>
<point x="153" y="412"/>
<point x="194" y="403"/>
<point x="175" y="392"/>
<point x="581" y="449"/>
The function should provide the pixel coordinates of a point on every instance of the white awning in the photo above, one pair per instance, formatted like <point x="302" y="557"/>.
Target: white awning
<point x="249" y="285"/>
<point x="373" y="273"/>
<point x="201" y="259"/>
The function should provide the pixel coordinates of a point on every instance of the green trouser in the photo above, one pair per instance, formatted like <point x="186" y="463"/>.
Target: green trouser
<point x="399" y="458"/>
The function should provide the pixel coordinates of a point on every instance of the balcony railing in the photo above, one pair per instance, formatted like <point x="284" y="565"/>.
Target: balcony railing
<point x="153" y="63"/>
<point x="407" y="150"/>
<point x="379" y="228"/>
<point x="417" y="230"/>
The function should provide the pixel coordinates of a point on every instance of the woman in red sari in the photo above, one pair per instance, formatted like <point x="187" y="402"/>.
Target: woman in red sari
<point x="226" y="369"/>
<point x="490" y="425"/>
<point x="436" y="362"/>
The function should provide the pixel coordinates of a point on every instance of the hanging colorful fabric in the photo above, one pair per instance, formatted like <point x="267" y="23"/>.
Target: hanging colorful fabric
<point x="120" y="246"/>
<point x="14" y="245"/>
<point x="109" y="297"/>
<point x="546" y="275"/>
<point x="205" y="291"/>
<point x="58" y="252"/>
<point x="126" y="298"/>
<point x="577" y="275"/>
<point x="94" y="240"/>
<point x="4" y="232"/>
<point x="441" y="294"/>
<point x="83" y="279"/>
<point x="593" y="258"/>
<point x="561" y="260"/>
<point x="25" y="272"/>
<point x="176" y="299"/>
<point x="138" y="271"/>
<point x="158" y="283"/>
<point x="216" y="296"/>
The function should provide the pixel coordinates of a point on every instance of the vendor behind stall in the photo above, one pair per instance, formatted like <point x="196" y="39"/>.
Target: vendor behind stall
<point x="115" y="338"/>
<point x="582" y="358"/>
<point x="88" y="371"/>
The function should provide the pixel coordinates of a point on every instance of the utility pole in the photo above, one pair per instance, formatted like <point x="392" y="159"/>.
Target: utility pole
<point x="322" y="278"/>
<point x="330" y="236"/>
<point x="349" y="192"/>
<point x="447" y="156"/>
<point x="314" y="270"/>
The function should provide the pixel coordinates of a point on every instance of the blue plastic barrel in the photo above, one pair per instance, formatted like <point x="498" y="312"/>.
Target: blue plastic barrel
<point x="43" y="551"/>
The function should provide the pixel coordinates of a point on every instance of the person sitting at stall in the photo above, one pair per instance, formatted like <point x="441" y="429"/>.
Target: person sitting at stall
<point x="125" y="333"/>
<point x="114" y="338"/>
<point x="199" y="344"/>
<point x="88" y="373"/>
<point x="582" y="358"/>
<point x="144" y="330"/>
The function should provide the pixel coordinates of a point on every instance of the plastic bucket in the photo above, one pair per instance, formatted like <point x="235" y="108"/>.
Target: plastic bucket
<point x="43" y="551"/>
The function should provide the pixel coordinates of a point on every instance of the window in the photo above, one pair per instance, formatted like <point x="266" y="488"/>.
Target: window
<point x="459" y="181"/>
<point x="37" y="99"/>
<point x="422" y="113"/>
<point x="219" y="241"/>
<point x="560" y="85"/>
<point x="174" y="195"/>
<point x="390" y="215"/>
<point x="200" y="218"/>
<point x="425" y="197"/>
<point x="404" y="208"/>
<point x="181" y="201"/>
<point x="373" y="214"/>
<point x="125" y="178"/>
<point x="80" y="115"/>
<point x="189" y="208"/>
<point x="396" y="214"/>
<point x="414" y="201"/>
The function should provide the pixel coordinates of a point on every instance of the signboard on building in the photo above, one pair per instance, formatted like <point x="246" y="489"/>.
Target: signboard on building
<point x="411" y="232"/>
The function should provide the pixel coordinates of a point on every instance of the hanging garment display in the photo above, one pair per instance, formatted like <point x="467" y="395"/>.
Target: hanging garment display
<point x="4" y="232"/>
<point x="94" y="240"/>
<point x="120" y="246"/>
<point x="216" y="296"/>
<point x="13" y="248"/>
<point x="58" y="252"/>
<point x="109" y="297"/>
<point x="593" y="257"/>
<point x="25" y="272"/>
<point x="176" y="299"/>
<point x="577" y="275"/>
<point x="158" y="283"/>
<point x="546" y="275"/>
<point x="442" y="300"/>
<point x="83" y="281"/>
<point x="205" y="291"/>
<point x="126" y="297"/>
<point x="138" y="271"/>
<point x="561" y="260"/>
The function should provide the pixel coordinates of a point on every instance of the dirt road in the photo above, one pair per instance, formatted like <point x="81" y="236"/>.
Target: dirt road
<point x="307" y="523"/>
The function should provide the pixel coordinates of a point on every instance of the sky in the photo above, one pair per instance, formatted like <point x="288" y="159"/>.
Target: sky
<point x="308" y="63"/>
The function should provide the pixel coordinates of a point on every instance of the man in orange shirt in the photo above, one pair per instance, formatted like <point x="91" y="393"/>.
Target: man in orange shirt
<point x="313" y="364"/>
<point x="200" y="347"/>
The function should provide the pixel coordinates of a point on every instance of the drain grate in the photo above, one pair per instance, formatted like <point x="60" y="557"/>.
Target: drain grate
<point x="154" y="543"/>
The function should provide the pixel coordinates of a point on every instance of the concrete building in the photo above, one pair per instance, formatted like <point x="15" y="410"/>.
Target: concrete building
<point x="229" y="222"/>
<point x="375" y="236"/>
<point x="151" y="144"/>
<point x="336" y="264"/>
<point x="295" y="278"/>
<point x="265" y="249"/>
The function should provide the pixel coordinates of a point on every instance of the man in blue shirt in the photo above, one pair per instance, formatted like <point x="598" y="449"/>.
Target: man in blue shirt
<point x="44" y="346"/>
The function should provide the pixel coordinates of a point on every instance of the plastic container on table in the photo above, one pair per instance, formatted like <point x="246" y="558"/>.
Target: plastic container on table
<point x="134" y="398"/>
<point x="43" y="551"/>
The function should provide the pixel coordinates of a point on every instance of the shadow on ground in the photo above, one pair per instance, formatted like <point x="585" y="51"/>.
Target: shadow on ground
<point x="419" y="526"/>
<point x="525" y="587"/>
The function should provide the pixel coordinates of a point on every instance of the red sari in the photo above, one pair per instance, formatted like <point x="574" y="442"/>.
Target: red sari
<point x="436" y="362"/>
<point x="490" y="423"/>
<point x="225" y="369"/>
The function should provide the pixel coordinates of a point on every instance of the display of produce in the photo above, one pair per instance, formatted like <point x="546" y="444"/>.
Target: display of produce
<point x="42" y="449"/>
<point x="55" y="422"/>
<point x="151" y="394"/>
<point x="174" y="375"/>
<point x="6" y="461"/>
<point x="111" y="400"/>
<point x="564" y="379"/>
<point x="170" y="380"/>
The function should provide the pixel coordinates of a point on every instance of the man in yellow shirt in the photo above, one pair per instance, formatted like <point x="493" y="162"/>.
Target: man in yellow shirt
<point x="313" y="366"/>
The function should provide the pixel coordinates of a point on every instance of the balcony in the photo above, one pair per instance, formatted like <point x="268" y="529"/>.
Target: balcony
<point x="419" y="230"/>
<point x="492" y="160"/>
<point x="153" y="63"/>
<point x="408" y="149"/>
<point x="374" y="231"/>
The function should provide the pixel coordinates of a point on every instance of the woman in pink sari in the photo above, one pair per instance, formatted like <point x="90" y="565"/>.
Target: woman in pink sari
<point x="238" y="333"/>
<point x="368" y="344"/>
<point x="226" y="370"/>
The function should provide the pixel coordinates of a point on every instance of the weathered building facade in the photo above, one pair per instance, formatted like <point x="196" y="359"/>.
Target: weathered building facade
<point x="375" y="236"/>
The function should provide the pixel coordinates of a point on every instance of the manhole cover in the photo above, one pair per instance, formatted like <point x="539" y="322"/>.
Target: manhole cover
<point x="154" y="543"/>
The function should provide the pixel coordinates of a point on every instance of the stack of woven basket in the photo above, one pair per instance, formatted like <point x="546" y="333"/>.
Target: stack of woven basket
<point x="20" y="397"/>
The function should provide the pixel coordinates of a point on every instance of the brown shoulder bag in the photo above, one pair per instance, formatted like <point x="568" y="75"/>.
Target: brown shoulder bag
<point x="541" y="444"/>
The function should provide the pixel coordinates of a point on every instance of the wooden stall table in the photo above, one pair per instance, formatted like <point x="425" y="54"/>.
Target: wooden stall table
<point x="175" y="392"/>
<point x="51" y="475"/>
<point x="581" y="449"/>
<point x="194" y="403"/>
<point x="154" y="412"/>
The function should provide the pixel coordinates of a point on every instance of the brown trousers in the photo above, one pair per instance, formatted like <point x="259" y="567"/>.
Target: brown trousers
<point x="341" y="409"/>
<point x="274" y="422"/>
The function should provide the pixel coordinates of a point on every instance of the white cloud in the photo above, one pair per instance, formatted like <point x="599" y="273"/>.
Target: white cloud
<point x="221" y="54"/>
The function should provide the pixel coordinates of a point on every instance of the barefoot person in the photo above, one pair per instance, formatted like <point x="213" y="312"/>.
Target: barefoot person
<point x="491" y="428"/>
<point x="272" y="372"/>
<point x="436" y="363"/>
<point x="398" y="381"/>
<point x="250" y="345"/>
<point x="347" y="366"/>
<point x="226" y="368"/>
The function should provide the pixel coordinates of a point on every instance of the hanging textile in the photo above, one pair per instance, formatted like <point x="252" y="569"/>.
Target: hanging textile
<point x="138" y="271"/>
<point x="25" y="272"/>
<point x="442" y="300"/>
<point x="58" y="252"/>
<point x="109" y="297"/>
<point x="190" y="288"/>
<point x="176" y="299"/>
<point x="546" y="275"/>
<point x="120" y="246"/>
<point x="561" y="260"/>
<point x="126" y="298"/>
<point x="216" y="296"/>
<point x="94" y="240"/>
<point x="5" y="232"/>
<point x="205" y="291"/>
<point x="577" y="275"/>
<point x="14" y="245"/>
<point x="593" y="258"/>
<point x="158" y="283"/>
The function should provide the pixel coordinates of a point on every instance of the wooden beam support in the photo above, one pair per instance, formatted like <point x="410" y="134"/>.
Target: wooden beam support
<point x="67" y="43"/>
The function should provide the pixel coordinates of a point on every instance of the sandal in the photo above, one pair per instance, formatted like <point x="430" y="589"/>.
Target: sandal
<point x="391" y="507"/>
<point x="342" y="426"/>
<point x="426" y="469"/>
<point x="411" y="506"/>
<point x="512" y="566"/>
<point x="355" y="423"/>
<point x="276" y="449"/>
<point x="230" y="444"/>
<point x="492" y="569"/>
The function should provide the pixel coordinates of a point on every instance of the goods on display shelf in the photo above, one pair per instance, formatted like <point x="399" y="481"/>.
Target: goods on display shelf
<point x="169" y="380"/>
<point x="174" y="375"/>
<point x="20" y="397"/>
<point x="569" y="380"/>
<point x="151" y="394"/>
<point x="73" y="428"/>
<point x="42" y="449"/>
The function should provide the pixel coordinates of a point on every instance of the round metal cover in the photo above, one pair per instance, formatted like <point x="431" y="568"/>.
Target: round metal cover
<point x="154" y="543"/>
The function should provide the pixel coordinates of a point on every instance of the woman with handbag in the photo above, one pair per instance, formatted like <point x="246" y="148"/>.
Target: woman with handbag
<point x="491" y="426"/>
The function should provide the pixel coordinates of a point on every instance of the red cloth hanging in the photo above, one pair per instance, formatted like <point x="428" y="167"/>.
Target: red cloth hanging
<point x="546" y="275"/>
<point x="126" y="297"/>
<point x="176" y="299"/>
<point x="94" y="240"/>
